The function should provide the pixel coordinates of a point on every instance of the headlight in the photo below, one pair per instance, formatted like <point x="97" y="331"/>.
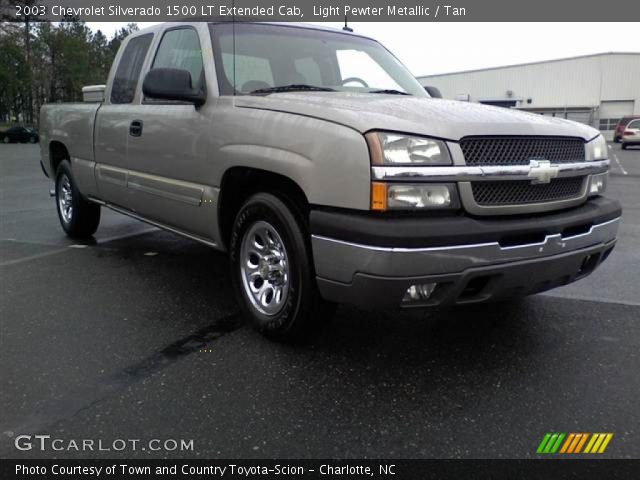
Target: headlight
<point x="412" y="196"/>
<point x="397" y="149"/>
<point x="598" y="183"/>
<point x="597" y="149"/>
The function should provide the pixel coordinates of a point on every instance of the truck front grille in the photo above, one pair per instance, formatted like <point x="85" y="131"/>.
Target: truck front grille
<point x="523" y="192"/>
<point x="520" y="150"/>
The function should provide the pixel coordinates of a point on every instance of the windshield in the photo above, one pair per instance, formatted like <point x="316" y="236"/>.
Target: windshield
<point x="267" y="56"/>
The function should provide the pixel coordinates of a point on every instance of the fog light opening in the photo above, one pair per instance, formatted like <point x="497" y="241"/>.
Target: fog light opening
<point x="419" y="293"/>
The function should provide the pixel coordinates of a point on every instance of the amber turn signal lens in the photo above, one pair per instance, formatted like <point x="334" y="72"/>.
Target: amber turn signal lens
<point x="375" y="149"/>
<point x="378" y="196"/>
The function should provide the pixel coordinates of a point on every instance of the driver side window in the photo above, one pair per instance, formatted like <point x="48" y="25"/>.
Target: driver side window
<point x="357" y="64"/>
<point x="180" y="49"/>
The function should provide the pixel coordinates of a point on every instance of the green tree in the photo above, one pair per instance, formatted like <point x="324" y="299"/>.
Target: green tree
<point x="49" y="62"/>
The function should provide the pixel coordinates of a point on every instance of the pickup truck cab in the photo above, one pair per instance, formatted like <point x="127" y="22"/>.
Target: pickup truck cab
<point x="319" y="163"/>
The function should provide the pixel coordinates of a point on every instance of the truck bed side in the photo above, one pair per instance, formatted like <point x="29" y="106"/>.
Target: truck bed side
<point x="67" y="131"/>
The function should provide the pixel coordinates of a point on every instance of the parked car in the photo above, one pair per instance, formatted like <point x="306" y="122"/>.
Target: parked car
<point x="19" y="135"/>
<point x="631" y="134"/>
<point x="326" y="171"/>
<point x="622" y="124"/>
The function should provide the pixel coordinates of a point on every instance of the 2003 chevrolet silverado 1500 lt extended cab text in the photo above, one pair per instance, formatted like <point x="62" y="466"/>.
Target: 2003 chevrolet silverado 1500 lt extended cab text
<point x="327" y="172"/>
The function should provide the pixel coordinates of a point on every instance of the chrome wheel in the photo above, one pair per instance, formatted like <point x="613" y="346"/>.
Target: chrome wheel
<point x="65" y="199"/>
<point x="264" y="268"/>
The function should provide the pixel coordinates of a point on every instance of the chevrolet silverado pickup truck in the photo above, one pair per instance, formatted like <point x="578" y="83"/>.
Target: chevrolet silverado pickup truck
<point x="329" y="175"/>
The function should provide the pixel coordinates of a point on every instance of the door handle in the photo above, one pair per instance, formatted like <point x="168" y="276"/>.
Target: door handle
<point x="135" y="129"/>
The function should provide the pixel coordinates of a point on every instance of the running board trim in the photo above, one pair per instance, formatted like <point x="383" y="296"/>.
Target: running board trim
<point x="155" y="223"/>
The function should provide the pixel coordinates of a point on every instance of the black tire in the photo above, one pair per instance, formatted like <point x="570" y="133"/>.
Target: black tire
<point x="302" y="312"/>
<point x="6" y="139"/>
<point x="624" y="146"/>
<point x="82" y="220"/>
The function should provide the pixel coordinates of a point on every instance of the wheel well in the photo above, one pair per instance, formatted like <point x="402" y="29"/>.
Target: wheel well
<point x="57" y="153"/>
<point x="239" y="183"/>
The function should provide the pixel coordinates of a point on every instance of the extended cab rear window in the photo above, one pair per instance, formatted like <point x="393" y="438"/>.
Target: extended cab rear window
<point x="128" y="72"/>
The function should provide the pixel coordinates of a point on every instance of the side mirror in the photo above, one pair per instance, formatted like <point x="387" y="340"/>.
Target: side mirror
<point x="171" y="84"/>
<point x="433" y="92"/>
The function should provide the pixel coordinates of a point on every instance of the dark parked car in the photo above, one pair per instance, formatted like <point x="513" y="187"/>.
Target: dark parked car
<point x="19" y="135"/>
<point x="622" y="124"/>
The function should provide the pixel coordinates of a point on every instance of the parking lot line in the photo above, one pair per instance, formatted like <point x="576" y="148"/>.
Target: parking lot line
<point x="33" y="257"/>
<point x="615" y="157"/>
<point x="66" y="249"/>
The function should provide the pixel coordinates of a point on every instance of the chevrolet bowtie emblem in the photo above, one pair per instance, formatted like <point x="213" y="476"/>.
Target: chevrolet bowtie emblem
<point x="541" y="171"/>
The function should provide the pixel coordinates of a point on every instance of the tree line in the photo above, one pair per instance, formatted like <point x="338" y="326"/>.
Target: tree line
<point x="50" y="62"/>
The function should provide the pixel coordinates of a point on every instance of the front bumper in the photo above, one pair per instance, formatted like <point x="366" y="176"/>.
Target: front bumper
<point x="471" y="260"/>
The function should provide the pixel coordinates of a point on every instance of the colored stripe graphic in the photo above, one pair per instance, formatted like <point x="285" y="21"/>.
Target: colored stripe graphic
<point x="598" y="443"/>
<point x="543" y="443"/>
<point x="573" y="443"/>
<point x="594" y="437"/>
<point x="581" y="443"/>
<point x="550" y="443"/>
<point x="567" y="442"/>
<point x="556" y="446"/>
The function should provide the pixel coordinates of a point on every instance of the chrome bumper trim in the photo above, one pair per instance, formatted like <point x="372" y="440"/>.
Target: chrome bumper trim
<point x="481" y="173"/>
<point x="339" y="261"/>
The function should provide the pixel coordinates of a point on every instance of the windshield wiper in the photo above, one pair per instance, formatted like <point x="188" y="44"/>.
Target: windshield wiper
<point x="390" y="92"/>
<point x="292" y="88"/>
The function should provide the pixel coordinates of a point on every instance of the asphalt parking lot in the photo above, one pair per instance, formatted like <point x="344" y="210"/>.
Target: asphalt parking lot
<point x="137" y="336"/>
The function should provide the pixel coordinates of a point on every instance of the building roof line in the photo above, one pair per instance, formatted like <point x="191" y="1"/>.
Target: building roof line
<point x="527" y="63"/>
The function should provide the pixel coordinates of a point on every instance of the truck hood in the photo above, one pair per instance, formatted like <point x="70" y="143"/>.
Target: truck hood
<point x="445" y="119"/>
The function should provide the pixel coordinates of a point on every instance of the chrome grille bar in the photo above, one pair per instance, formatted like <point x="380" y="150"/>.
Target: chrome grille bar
<point x="480" y="173"/>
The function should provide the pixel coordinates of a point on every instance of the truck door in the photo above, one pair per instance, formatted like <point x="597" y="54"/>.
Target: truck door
<point x="112" y="123"/>
<point x="167" y="146"/>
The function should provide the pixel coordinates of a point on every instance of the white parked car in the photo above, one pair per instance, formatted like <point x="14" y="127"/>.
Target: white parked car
<point x="631" y="135"/>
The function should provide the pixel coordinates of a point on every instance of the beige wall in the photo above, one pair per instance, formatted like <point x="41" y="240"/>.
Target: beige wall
<point x="579" y="82"/>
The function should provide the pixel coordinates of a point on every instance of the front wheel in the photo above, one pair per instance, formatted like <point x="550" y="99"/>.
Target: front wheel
<point x="273" y="273"/>
<point x="78" y="217"/>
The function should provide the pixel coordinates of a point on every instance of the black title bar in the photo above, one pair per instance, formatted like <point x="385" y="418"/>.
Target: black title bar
<point x="320" y="10"/>
<point x="584" y="469"/>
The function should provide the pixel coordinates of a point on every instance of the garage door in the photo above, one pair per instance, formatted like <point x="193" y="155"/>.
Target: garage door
<point x="582" y="116"/>
<point x="610" y="114"/>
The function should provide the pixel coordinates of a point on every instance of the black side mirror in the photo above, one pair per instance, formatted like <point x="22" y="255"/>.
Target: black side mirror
<point x="171" y="84"/>
<point x="433" y="92"/>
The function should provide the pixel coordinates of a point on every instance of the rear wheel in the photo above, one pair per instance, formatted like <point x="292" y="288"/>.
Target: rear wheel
<point x="273" y="273"/>
<point x="78" y="217"/>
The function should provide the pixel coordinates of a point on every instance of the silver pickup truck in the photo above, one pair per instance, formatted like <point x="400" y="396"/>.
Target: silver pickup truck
<point x="328" y="173"/>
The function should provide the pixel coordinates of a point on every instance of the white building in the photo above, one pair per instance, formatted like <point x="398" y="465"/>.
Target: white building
<point x="594" y="89"/>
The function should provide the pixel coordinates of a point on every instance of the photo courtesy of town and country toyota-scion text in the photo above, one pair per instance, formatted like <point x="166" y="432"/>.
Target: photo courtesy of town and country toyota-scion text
<point x="282" y="239"/>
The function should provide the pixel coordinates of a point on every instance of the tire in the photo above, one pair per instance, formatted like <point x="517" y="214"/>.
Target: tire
<point x="272" y="271"/>
<point x="624" y="146"/>
<point x="78" y="217"/>
<point x="32" y="139"/>
<point x="6" y="139"/>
